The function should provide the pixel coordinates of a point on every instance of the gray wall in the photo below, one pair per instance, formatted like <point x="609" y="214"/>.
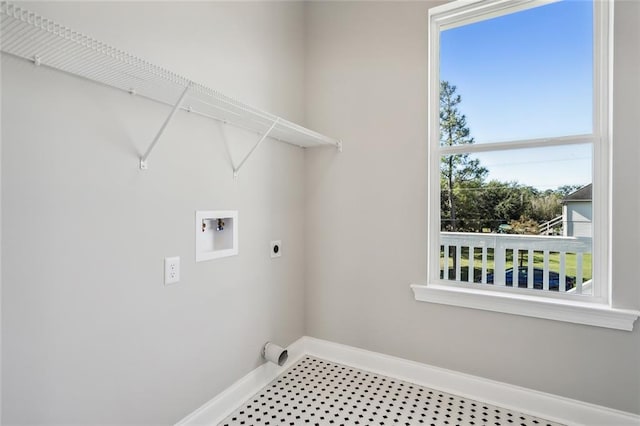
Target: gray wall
<point x="366" y="210"/>
<point x="90" y="333"/>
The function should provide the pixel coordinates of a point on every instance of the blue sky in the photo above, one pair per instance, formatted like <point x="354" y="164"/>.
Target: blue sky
<point x="527" y="75"/>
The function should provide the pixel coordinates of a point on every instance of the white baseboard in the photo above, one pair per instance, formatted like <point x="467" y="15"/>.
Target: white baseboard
<point x="539" y="404"/>
<point x="235" y="395"/>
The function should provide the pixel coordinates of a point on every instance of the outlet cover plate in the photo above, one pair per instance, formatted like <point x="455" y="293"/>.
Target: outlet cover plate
<point x="276" y="248"/>
<point x="171" y="270"/>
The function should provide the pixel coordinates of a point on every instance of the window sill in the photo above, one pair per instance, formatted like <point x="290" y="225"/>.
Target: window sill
<point x="531" y="306"/>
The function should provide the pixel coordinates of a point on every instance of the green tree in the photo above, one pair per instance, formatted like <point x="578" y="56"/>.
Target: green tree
<point x="545" y="206"/>
<point x="565" y="190"/>
<point x="501" y="202"/>
<point x="456" y="170"/>
<point x="524" y="225"/>
<point x="467" y="193"/>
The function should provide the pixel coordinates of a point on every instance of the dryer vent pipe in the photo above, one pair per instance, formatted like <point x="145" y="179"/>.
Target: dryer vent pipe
<point x="274" y="353"/>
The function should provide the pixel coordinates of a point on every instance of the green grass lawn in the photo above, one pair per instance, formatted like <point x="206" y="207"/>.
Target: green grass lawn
<point x="538" y="262"/>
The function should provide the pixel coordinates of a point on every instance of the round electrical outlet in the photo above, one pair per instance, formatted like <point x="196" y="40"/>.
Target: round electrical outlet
<point x="276" y="248"/>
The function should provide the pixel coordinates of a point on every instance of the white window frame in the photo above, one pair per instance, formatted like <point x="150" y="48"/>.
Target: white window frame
<point x="595" y="309"/>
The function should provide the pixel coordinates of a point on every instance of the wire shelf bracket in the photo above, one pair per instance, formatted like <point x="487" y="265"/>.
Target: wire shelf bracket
<point x="143" y="159"/>
<point x="27" y="35"/>
<point x="237" y="168"/>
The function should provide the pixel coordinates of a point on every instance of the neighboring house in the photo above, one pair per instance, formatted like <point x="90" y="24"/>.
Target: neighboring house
<point x="577" y="213"/>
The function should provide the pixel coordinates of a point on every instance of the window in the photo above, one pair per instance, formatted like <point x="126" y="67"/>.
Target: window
<point x="519" y="138"/>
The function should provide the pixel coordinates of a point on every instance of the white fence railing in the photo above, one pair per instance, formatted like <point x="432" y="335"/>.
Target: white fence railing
<point x="524" y="261"/>
<point x="549" y="227"/>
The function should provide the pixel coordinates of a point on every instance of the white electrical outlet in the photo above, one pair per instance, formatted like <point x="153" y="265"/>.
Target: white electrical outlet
<point x="171" y="270"/>
<point x="276" y="248"/>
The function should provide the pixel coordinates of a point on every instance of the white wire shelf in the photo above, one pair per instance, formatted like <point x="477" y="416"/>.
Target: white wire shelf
<point x="27" y="35"/>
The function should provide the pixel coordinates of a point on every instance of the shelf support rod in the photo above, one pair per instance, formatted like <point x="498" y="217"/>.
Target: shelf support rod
<point x="246" y="157"/>
<point x="176" y="107"/>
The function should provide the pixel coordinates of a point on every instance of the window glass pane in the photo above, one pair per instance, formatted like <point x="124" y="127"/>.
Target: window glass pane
<point x="522" y="207"/>
<point x="524" y="75"/>
<point x="481" y="192"/>
<point x="551" y="271"/>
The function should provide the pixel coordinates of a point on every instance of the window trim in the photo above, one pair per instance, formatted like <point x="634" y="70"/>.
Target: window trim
<point x="594" y="314"/>
<point x="595" y="309"/>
